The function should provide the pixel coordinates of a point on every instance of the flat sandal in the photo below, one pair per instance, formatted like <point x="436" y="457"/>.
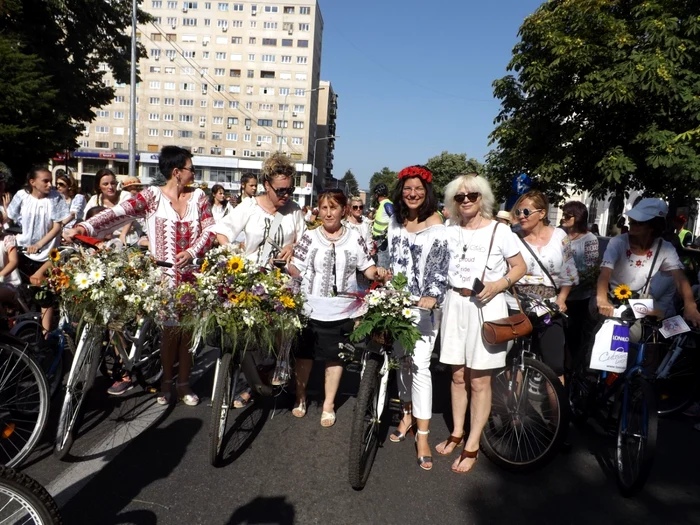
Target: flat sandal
<point x="452" y="439"/>
<point x="467" y="454"/>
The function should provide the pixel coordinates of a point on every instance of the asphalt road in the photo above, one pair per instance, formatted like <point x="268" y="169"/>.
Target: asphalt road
<point x="137" y="463"/>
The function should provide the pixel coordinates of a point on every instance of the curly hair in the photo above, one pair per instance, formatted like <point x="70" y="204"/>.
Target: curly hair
<point x="277" y="165"/>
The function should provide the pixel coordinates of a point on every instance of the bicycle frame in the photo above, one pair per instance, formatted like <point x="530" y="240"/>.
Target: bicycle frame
<point x="383" y="371"/>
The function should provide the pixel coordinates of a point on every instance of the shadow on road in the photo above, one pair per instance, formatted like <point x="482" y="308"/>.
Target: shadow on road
<point x="264" y="511"/>
<point x="151" y="456"/>
<point x="247" y="425"/>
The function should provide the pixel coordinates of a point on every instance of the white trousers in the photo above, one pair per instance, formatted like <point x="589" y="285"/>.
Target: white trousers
<point x="415" y="382"/>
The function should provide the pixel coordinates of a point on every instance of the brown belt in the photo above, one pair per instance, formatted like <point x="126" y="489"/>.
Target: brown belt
<point x="464" y="292"/>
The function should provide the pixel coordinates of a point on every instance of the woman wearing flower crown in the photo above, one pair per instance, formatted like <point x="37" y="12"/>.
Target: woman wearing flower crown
<point x="179" y="225"/>
<point x="417" y="246"/>
<point x="327" y="259"/>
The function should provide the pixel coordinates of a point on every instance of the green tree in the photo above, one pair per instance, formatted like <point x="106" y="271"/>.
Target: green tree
<point x="386" y="176"/>
<point x="50" y="57"/>
<point x="447" y="166"/>
<point x="604" y="95"/>
<point x="351" y="183"/>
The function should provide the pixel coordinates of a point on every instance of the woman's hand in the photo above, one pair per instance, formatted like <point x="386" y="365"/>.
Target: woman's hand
<point x="491" y="290"/>
<point x="561" y="303"/>
<point x="605" y="308"/>
<point x="72" y="232"/>
<point x="183" y="259"/>
<point x="34" y="248"/>
<point x="427" y="302"/>
<point x="286" y="253"/>
<point x="381" y="274"/>
<point x="692" y="315"/>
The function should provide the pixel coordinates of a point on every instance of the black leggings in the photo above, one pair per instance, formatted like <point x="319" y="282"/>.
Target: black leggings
<point x="549" y="340"/>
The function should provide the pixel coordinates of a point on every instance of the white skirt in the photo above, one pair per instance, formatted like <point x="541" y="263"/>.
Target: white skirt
<point x="461" y="341"/>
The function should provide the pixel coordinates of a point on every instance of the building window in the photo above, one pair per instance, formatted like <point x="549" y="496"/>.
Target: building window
<point x="205" y="55"/>
<point x="284" y="91"/>
<point x="300" y="76"/>
<point x="253" y="24"/>
<point x="170" y="53"/>
<point x="251" y="57"/>
<point x="265" y="122"/>
<point x="246" y="137"/>
<point x="288" y="10"/>
<point x="283" y="107"/>
<point x="187" y="102"/>
<point x="236" y="73"/>
<point x="207" y="5"/>
<point x="238" y="7"/>
<point x="154" y="84"/>
<point x="202" y="135"/>
<point x="156" y="4"/>
<point x="101" y="129"/>
<point x="299" y="92"/>
<point x="222" y="6"/>
<point x="154" y="100"/>
<point x="102" y="113"/>
<point x="232" y="137"/>
<point x="282" y="124"/>
<point x="192" y="22"/>
<point x="187" y="86"/>
<point x="269" y="25"/>
<point x="102" y="145"/>
<point x="297" y="141"/>
<point x="184" y="134"/>
<point x="301" y="60"/>
<point x="218" y="120"/>
<point x="304" y="10"/>
<point x="118" y="145"/>
<point x="170" y="71"/>
<point x="216" y="135"/>
<point x="219" y="72"/>
<point x="167" y="132"/>
<point x="234" y="89"/>
<point x="189" y="54"/>
<point x="251" y="73"/>
<point x="171" y="5"/>
<point x="268" y="58"/>
<point x="286" y="59"/>
<point x="189" y="5"/>
<point x="218" y="104"/>
<point x="207" y="22"/>
<point x="236" y="40"/>
<point x="236" y="23"/>
<point x="155" y="53"/>
<point x="303" y="27"/>
<point x="267" y="91"/>
<point x="298" y="124"/>
<point x="119" y="115"/>
<point x="249" y="105"/>
<point x="154" y="69"/>
<point x="302" y="43"/>
<point x="299" y="108"/>
<point x="186" y="118"/>
<point x="202" y="103"/>
<point x="233" y="104"/>
<point x="269" y="41"/>
<point x="236" y="57"/>
<point x="119" y="98"/>
<point x="168" y="101"/>
<point x="153" y="116"/>
<point x="267" y="74"/>
<point x="171" y="21"/>
<point x="117" y="131"/>
<point x="270" y="8"/>
<point x="266" y="139"/>
<point x="152" y="132"/>
<point x="222" y="24"/>
<point x="220" y="55"/>
<point x="287" y="42"/>
<point x="168" y="117"/>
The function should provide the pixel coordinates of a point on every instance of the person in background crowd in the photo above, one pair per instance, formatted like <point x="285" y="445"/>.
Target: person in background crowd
<point x="478" y="246"/>
<point x="551" y="272"/>
<point x="370" y="214"/>
<point x="417" y="248"/>
<point x="584" y="248"/>
<point x="249" y="186"/>
<point x="42" y="211"/>
<point x="684" y="236"/>
<point x="358" y="222"/>
<point x="10" y="278"/>
<point x="444" y="212"/>
<point x="220" y="207"/>
<point x="132" y="185"/>
<point x="594" y="230"/>
<point x="5" y="196"/>
<point x="107" y="195"/>
<point x="503" y="217"/>
<point x="328" y="259"/>
<point x="68" y="187"/>
<point x="180" y="227"/>
<point x="382" y="218"/>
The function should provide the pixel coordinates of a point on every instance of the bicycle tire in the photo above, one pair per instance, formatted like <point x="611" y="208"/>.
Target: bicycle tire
<point x="80" y="379"/>
<point x="220" y="405"/>
<point x="642" y="397"/>
<point x="32" y="333"/>
<point x="24" y="404"/>
<point x="677" y="390"/>
<point x="364" y="436"/>
<point x="542" y="428"/>
<point x="149" y="369"/>
<point x="30" y="496"/>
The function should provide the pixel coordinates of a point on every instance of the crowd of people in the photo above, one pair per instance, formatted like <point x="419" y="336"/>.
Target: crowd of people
<point x="461" y="261"/>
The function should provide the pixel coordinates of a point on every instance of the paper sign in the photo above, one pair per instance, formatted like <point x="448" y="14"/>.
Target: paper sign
<point x="611" y="347"/>
<point x="641" y="307"/>
<point x="673" y="326"/>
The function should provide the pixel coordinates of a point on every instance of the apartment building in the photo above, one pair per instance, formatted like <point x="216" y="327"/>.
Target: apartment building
<point x="232" y="82"/>
<point x="325" y="132"/>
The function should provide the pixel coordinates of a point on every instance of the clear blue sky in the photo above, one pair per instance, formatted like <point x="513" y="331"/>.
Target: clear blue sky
<point x="414" y="77"/>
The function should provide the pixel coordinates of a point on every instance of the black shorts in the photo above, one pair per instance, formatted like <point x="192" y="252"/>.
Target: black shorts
<point x="321" y="340"/>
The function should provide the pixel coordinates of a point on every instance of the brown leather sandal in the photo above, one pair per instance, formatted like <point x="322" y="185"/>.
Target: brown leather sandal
<point x="452" y="439"/>
<point x="467" y="454"/>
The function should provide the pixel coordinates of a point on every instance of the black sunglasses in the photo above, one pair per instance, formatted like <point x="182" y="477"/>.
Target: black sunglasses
<point x="356" y="207"/>
<point x="61" y="184"/>
<point x="525" y="212"/>
<point x="472" y="196"/>
<point x="282" y="192"/>
<point x="566" y="216"/>
<point x="189" y="168"/>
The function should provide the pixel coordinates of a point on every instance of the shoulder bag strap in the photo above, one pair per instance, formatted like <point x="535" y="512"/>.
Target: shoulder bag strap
<point x="645" y="288"/>
<point x="493" y="235"/>
<point x="532" y="252"/>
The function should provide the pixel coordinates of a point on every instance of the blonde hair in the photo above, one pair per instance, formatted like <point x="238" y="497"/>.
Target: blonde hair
<point x="540" y="201"/>
<point x="471" y="182"/>
<point x="277" y="165"/>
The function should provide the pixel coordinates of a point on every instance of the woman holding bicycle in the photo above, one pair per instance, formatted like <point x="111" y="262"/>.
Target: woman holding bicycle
<point x="551" y="272"/>
<point x="636" y="258"/>
<point x="328" y="259"/>
<point x="179" y="225"/>
<point x="418" y="249"/>
<point x="484" y="262"/>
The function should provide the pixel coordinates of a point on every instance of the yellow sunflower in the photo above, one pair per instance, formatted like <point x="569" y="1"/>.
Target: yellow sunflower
<point x="205" y="265"/>
<point x="287" y="301"/>
<point x="54" y="255"/>
<point x="622" y="292"/>
<point x="235" y="265"/>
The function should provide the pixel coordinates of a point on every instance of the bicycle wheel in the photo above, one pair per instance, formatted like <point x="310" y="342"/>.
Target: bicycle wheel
<point x="221" y="402"/>
<point x="23" y="500"/>
<point x="636" y="435"/>
<point x="24" y="404"/>
<point x="523" y="431"/>
<point x="149" y="368"/>
<point x="364" y="436"/>
<point x="80" y="380"/>
<point x="677" y="390"/>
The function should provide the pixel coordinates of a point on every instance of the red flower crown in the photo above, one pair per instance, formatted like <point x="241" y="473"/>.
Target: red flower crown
<point x="417" y="171"/>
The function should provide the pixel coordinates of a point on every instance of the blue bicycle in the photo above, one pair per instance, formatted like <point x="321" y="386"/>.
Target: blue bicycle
<point x="625" y="405"/>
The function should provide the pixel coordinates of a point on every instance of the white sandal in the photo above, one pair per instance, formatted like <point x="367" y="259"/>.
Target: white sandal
<point x="299" y="410"/>
<point x="327" y="416"/>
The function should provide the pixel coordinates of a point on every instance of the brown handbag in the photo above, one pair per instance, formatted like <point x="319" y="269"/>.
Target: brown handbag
<point x="507" y="328"/>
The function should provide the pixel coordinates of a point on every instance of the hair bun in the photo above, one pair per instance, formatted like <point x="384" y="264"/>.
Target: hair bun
<point x="278" y="164"/>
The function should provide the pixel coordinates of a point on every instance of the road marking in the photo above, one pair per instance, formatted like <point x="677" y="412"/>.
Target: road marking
<point x="146" y="412"/>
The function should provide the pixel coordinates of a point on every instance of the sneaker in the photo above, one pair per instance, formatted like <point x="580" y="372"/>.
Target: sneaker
<point x="120" y="387"/>
<point x="693" y="410"/>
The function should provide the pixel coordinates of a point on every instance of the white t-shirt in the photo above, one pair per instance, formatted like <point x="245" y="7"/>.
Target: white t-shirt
<point x="469" y="249"/>
<point x="6" y="245"/>
<point x="556" y="256"/>
<point x="250" y="218"/>
<point x="633" y="270"/>
<point x="322" y="264"/>
<point x="37" y="217"/>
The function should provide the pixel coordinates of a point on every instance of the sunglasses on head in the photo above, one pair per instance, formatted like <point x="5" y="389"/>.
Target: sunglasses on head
<point x="472" y="196"/>
<point x="525" y="212"/>
<point x="358" y="207"/>
<point x="282" y="192"/>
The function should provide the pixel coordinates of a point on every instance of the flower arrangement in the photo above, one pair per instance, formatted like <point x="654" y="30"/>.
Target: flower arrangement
<point x="241" y="302"/>
<point x="389" y="316"/>
<point x="112" y="284"/>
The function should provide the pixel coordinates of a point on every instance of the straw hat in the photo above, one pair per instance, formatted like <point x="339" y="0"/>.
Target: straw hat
<point x="503" y="214"/>
<point x="131" y="181"/>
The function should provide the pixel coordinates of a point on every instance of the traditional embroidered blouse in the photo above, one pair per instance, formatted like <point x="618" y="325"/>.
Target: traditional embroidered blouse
<point x="556" y="256"/>
<point x="423" y="257"/>
<point x="168" y="233"/>
<point x="364" y="229"/>
<point x="7" y="244"/>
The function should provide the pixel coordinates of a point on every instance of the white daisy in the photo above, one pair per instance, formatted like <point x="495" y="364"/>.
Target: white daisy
<point x="83" y="281"/>
<point x="119" y="284"/>
<point x="407" y="313"/>
<point x="142" y="285"/>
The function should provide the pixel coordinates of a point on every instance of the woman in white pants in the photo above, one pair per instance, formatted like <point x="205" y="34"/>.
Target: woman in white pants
<point x="483" y="249"/>
<point x="418" y="249"/>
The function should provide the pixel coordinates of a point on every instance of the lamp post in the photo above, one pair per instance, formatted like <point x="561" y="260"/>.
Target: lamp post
<point x="284" y="111"/>
<point x="132" y="93"/>
<point x="313" y="164"/>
